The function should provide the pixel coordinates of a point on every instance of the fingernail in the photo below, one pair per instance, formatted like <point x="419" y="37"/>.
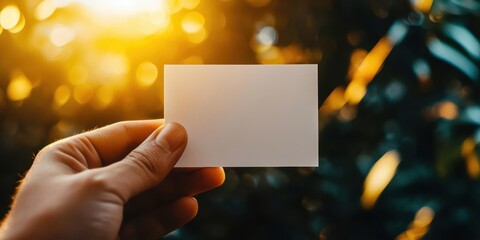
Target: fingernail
<point x="171" y="137"/>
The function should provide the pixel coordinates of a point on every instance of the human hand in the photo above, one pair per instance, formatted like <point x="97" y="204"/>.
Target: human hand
<point x="114" y="182"/>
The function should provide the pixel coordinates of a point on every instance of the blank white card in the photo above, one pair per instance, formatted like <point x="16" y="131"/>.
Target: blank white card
<point x="245" y="115"/>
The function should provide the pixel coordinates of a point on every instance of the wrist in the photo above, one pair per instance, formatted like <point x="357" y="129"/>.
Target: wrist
<point x="11" y="230"/>
<point x="5" y="230"/>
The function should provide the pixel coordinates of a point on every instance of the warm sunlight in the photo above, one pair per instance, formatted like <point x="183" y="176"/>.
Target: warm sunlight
<point x="122" y="7"/>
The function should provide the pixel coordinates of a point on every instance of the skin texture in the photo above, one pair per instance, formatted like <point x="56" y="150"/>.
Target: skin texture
<point x="115" y="182"/>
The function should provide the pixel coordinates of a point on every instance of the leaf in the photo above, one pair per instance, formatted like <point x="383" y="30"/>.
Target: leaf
<point x="464" y="38"/>
<point x="450" y="55"/>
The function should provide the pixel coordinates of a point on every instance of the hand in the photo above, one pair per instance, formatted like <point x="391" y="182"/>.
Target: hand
<point x="115" y="182"/>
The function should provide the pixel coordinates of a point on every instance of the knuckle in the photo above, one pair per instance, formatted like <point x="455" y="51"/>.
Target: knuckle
<point x="149" y="161"/>
<point x="97" y="181"/>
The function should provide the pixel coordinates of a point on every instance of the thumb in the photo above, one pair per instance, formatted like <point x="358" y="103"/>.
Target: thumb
<point x="148" y="164"/>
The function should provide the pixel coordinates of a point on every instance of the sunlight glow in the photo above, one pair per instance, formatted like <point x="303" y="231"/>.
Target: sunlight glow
<point x="198" y="37"/>
<point x="113" y="67"/>
<point x="147" y="74"/>
<point x="61" y="36"/>
<point x="104" y="97"/>
<point x="10" y="16"/>
<point x="83" y="93"/>
<point x="190" y="4"/>
<point x="44" y="10"/>
<point x="193" y="22"/>
<point x="19" y="88"/>
<point x="20" y="25"/>
<point x="123" y="7"/>
<point x="61" y="96"/>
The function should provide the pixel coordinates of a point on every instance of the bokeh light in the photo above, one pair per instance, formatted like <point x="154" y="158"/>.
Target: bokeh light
<point x="193" y="22"/>
<point x="122" y="7"/>
<point x="19" y="87"/>
<point x="198" y="37"/>
<point x="147" y="74"/>
<point x="471" y="159"/>
<point x="10" y="16"/>
<point x="61" y="35"/>
<point x="44" y="10"/>
<point x="420" y="225"/>
<point x="83" y="93"/>
<point x="20" y="25"/>
<point x="379" y="177"/>
<point x="190" y="4"/>
<point x="267" y="35"/>
<point x="423" y="5"/>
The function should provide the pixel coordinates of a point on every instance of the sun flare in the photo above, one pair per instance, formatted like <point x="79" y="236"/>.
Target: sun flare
<point x="123" y="7"/>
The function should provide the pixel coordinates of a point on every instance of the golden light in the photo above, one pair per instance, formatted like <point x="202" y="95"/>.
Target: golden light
<point x="193" y="22"/>
<point x="270" y="55"/>
<point x="424" y="217"/>
<point x="190" y="4"/>
<point x="61" y="36"/>
<point x="295" y="53"/>
<point x="373" y="61"/>
<point x="472" y="161"/>
<point x="347" y="113"/>
<point x="364" y="67"/>
<point x="334" y="101"/>
<point x="379" y="177"/>
<point x="198" y="37"/>
<point x="20" y="25"/>
<point x="174" y="6"/>
<point x="78" y="74"/>
<point x="104" y="96"/>
<point x="147" y="74"/>
<point x="419" y="226"/>
<point x="113" y="67"/>
<point x="1" y="29"/>
<point x="19" y="88"/>
<point x="83" y="93"/>
<point x="160" y="20"/>
<point x="355" y="92"/>
<point x="366" y="70"/>
<point x="61" y="96"/>
<point x="423" y="6"/>
<point x="193" y="60"/>
<point x="447" y="110"/>
<point x="44" y="10"/>
<point x="356" y="58"/>
<point x="63" y="3"/>
<point x="122" y="7"/>
<point x="9" y="17"/>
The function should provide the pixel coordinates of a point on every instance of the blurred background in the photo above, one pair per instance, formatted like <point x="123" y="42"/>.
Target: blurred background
<point x="399" y="104"/>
